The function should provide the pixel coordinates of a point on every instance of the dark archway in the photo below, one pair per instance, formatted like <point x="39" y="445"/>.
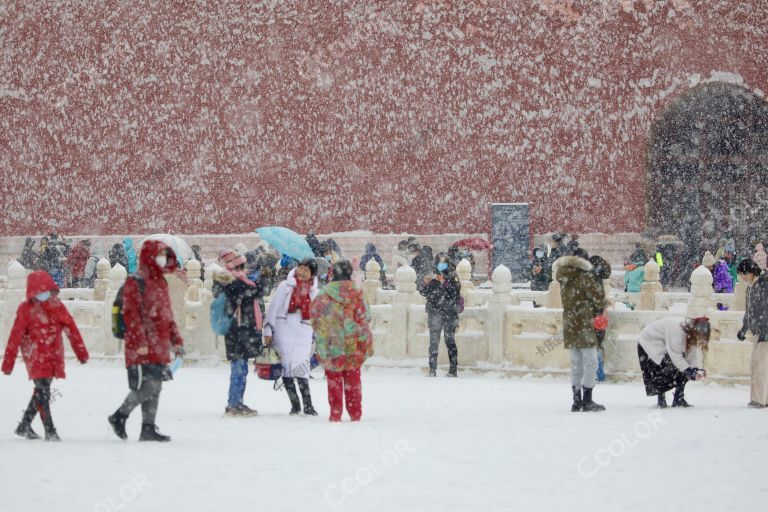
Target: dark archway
<point x="707" y="174"/>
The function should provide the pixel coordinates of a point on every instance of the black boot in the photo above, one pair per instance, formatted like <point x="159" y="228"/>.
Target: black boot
<point x="679" y="398"/>
<point x="25" y="430"/>
<point x="662" y="401"/>
<point x="306" y="397"/>
<point x="576" y="407"/>
<point x="453" y="360"/>
<point x="587" y="405"/>
<point x="290" y="388"/>
<point x="432" y="373"/>
<point x="117" y="421"/>
<point x="149" y="433"/>
<point x="52" y="435"/>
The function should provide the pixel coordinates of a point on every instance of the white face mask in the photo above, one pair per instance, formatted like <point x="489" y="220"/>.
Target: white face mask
<point x="42" y="297"/>
<point x="161" y="260"/>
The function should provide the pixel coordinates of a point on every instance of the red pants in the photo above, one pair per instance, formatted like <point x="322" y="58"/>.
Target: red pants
<point x="343" y="385"/>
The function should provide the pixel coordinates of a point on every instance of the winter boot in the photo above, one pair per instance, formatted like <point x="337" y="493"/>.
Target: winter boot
<point x="453" y="359"/>
<point x="432" y="373"/>
<point x="576" y="407"/>
<point x="587" y="405"/>
<point x="247" y="411"/>
<point x="52" y="435"/>
<point x="452" y="372"/>
<point x="306" y="397"/>
<point x="290" y="388"/>
<point x="662" y="401"/>
<point x="25" y="430"/>
<point x="117" y="421"/>
<point x="149" y="433"/>
<point x="679" y="398"/>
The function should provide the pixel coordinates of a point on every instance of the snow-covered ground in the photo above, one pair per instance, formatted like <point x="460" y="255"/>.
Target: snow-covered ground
<point x="473" y="443"/>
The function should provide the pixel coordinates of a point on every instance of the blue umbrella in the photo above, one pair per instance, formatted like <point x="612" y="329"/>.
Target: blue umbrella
<point x="286" y="242"/>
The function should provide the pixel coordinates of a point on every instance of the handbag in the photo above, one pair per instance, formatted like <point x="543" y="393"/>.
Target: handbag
<point x="267" y="366"/>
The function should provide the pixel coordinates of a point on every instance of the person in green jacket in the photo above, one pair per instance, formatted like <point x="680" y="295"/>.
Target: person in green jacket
<point x="634" y="275"/>
<point x="583" y="299"/>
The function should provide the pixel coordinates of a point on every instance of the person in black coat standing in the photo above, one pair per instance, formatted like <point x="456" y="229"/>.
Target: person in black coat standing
<point x="243" y="341"/>
<point x="442" y="291"/>
<point x="756" y="322"/>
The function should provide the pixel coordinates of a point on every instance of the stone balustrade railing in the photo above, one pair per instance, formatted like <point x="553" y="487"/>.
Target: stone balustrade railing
<point x="499" y="328"/>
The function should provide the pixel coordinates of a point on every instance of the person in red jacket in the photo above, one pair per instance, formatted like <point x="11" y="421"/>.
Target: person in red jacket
<point x="77" y="261"/>
<point x="37" y="332"/>
<point x="150" y="336"/>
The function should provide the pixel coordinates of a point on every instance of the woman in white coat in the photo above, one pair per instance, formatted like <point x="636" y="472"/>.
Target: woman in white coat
<point x="288" y="328"/>
<point x="670" y="353"/>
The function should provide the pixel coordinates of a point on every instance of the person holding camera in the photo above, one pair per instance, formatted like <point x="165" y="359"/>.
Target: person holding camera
<point x="442" y="290"/>
<point x="670" y="351"/>
<point x="756" y="321"/>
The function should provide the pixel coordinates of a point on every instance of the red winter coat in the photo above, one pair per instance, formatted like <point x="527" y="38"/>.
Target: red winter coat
<point x="150" y="329"/>
<point x="78" y="259"/>
<point x="37" y="331"/>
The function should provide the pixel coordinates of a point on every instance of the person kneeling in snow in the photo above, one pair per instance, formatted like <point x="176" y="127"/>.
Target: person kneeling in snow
<point x="37" y="331"/>
<point x="150" y="334"/>
<point x="670" y="350"/>
<point x="288" y="322"/>
<point x="340" y="319"/>
<point x="583" y="299"/>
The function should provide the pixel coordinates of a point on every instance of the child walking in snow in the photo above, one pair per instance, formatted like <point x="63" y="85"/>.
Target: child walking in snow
<point x="37" y="332"/>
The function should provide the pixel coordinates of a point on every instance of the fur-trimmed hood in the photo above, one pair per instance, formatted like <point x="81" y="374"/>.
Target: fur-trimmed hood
<point x="566" y="265"/>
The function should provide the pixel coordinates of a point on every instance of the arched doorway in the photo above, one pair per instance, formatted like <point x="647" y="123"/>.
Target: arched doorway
<point x="707" y="174"/>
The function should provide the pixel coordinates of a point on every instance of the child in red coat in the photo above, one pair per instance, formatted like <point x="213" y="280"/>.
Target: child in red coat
<point x="37" y="331"/>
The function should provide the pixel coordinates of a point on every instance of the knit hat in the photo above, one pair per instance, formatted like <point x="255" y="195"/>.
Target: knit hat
<point x="231" y="259"/>
<point x="708" y="260"/>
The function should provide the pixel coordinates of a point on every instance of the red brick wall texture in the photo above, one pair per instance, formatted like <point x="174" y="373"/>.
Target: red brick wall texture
<point x="397" y="116"/>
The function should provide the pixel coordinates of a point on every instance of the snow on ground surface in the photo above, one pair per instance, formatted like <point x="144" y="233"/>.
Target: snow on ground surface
<point x="473" y="443"/>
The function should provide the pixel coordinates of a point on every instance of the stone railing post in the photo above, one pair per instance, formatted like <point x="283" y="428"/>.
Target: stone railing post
<point x="15" y="294"/>
<point x="110" y="281"/>
<point x="497" y="310"/>
<point x="101" y="283"/>
<point x="464" y="271"/>
<point x="554" y="300"/>
<point x="701" y="292"/>
<point x="194" y="283"/>
<point x="405" y="284"/>
<point x="651" y="286"/>
<point x="739" y="297"/>
<point x="372" y="282"/>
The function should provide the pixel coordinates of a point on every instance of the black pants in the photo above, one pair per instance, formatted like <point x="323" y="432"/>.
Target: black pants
<point x="659" y="378"/>
<point x="447" y="326"/>
<point x="40" y="403"/>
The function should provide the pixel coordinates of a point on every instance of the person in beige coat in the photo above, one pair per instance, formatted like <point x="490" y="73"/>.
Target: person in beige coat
<point x="756" y="321"/>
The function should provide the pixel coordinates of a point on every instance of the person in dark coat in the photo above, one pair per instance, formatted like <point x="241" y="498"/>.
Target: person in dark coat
<point x="423" y="264"/>
<point x="442" y="291"/>
<point x="53" y="259"/>
<point x="151" y="334"/>
<point x="601" y="270"/>
<point x="245" y="304"/>
<point x="315" y="244"/>
<point x="583" y="299"/>
<point x="540" y="275"/>
<point x="370" y="253"/>
<point x="29" y="259"/>
<point x="756" y="321"/>
<point x="196" y="252"/>
<point x="117" y="255"/>
<point x="638" y="254"/>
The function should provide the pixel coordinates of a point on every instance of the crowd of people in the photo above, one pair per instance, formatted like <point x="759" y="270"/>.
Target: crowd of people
<point x="318" y="312"/>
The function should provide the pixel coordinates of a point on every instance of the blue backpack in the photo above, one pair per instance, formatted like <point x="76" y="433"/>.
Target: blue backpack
<point x="220" y="320"/>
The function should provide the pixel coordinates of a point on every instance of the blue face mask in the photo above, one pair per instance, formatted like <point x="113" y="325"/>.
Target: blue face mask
<point x="442" y="266"/>
<point x="42" y="297"/>
<point x="328" y="258"/>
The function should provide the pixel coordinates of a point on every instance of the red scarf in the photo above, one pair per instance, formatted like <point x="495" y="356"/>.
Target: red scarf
<point x="300" y="299"/>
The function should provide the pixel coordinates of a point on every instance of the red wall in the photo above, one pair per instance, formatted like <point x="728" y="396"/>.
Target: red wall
<point x="132" y="117"/>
